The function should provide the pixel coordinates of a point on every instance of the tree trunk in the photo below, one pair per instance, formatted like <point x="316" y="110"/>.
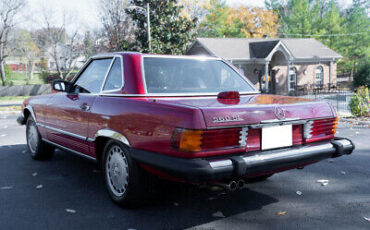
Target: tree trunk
<point x="59" y="70"/>
<point x="31" y="68"/>
<point x="2" y="72"/>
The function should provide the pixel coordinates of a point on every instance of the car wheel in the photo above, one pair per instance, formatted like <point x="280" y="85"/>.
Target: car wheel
<point x="258" y="179"/>
<point x="38" y="149"/>
<point x="123" y="177"/>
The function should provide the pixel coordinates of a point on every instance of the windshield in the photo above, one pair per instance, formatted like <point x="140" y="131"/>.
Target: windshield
<point x="181" y="75"/>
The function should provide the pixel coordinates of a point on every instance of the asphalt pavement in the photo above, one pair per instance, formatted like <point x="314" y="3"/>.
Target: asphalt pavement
<point x="67" y="192"/>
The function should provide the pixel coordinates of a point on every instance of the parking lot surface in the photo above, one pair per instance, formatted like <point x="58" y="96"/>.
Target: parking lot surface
<point x="67" y="192"/>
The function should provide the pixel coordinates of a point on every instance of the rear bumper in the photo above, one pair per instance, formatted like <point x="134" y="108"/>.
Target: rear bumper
<point x="258" y="163"/>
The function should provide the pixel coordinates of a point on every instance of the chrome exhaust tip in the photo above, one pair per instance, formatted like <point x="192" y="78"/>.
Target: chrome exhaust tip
<point x="241" y="184"/>
<point x="233" y="186"/>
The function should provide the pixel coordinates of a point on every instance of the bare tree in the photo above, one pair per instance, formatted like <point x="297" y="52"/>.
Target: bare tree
<point x="118" y="27"/>
<point x="29" y="50"/>
<point x="62" y="48"/>
<point x="8" y="11"/>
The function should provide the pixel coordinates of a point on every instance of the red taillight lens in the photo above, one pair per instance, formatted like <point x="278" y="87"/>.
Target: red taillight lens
<point x="202" y="140"/>
<point x="322" y="129"/>
<point x="253" y="140"/>
<point x="297" y="134"/>
<point x="220" y="138"/>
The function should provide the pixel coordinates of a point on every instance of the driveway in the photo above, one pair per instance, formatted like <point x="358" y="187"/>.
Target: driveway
<point x="67" y="192"/>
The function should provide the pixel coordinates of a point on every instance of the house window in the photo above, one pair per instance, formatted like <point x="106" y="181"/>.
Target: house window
<point x="292" y="79"/>
<point x="319" y="77"/>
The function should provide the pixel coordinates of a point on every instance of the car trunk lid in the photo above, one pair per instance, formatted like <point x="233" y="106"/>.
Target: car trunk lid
<point x="253" y="109"/>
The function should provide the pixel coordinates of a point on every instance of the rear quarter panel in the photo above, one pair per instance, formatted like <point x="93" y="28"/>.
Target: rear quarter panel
<point x="146" y="124"/>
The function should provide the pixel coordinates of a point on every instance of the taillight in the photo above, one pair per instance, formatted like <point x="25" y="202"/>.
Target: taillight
<point x="187" y="140"/>
<point x="322" y="129"/>
<point x="297" y="134"/>
<point x="253" y="140"/>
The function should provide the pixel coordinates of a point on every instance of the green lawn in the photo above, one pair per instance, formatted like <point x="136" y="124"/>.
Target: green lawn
<point x="21" y="78"/>
<point x="9" y="98"/>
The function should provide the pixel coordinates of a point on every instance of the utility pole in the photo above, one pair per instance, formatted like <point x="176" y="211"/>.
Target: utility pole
<point x="148" y="22"/>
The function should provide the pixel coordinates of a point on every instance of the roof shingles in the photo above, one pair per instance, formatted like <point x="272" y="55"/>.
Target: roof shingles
<point x="250" y="48"/>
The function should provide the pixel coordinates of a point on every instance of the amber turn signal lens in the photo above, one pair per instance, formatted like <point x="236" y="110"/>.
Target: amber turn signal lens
<point x="191" y="140"/>
<point x="335" y="125"/>
<point x="187" y="140"/>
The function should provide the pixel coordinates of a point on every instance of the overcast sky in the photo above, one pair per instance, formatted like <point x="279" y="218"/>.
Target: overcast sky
<point x="86" y="11"/>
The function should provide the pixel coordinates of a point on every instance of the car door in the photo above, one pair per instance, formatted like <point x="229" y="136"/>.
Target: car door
<point x="68" y="113"/>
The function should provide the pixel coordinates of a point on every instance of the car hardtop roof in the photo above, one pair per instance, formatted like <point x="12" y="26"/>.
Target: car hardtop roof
<point x="102" y="55"/>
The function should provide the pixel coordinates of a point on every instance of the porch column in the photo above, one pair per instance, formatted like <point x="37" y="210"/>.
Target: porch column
<point x="287" y="78"/>
<point x="266" y="77"/>
<point x="330" y="73"/>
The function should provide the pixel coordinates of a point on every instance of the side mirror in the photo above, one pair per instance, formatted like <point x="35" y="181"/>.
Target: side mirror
<point x="61" y="86"/>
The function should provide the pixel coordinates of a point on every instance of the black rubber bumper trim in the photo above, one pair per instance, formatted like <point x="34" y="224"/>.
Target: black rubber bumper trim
<point x="199" y="169"/>
<point x="340" y="148"/>
<point x="21" y="120"/>
<point x="192" y="169"/>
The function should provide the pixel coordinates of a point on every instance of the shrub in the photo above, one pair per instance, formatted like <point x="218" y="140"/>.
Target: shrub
<point x="9" y="82"/>
<point x="362" y="77"/>
<point x="8" y="71"/>
<point x="359" y="104"/>
<point x="48" y="77"/>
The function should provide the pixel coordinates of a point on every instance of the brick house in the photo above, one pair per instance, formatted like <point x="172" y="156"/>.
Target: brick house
<point x="290" y="65"/>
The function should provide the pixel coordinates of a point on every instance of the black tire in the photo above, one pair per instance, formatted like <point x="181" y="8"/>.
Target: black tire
<point x="129" y="193"/>
<point x="38" y="149"/>
<point x="258" y="179"/>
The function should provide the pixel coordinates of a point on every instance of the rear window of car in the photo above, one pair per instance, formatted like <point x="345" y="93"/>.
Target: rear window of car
<point x="183" y="75"/>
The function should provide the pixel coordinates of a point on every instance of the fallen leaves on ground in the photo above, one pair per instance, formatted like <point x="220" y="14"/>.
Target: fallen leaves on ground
<point x="283" y="213"/>
<point x="6" y="187"/>
<point x="218" y="214"/>
<point x="40" y="186"/>
<point x="70" y="210"/>
<point x="323" y="182"/>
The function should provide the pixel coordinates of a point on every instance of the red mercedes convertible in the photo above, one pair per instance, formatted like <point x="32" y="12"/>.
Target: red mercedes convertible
<point x="183" y="118"/>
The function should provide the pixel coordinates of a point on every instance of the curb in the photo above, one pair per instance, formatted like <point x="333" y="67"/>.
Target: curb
<point x="11" y="103"/>
<point x="7" y="105"/>
<point x="355" y="121"/>
<point x="9" y="112"/>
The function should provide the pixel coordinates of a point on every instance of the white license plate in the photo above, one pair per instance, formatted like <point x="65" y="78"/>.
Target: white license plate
<point x="277" y="136"/>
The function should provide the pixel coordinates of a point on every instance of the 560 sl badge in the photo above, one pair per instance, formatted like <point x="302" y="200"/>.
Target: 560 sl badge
<point x="227" y="119"/>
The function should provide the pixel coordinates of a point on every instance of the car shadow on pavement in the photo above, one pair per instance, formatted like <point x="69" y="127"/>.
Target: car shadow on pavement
<point x="73" y="182"/>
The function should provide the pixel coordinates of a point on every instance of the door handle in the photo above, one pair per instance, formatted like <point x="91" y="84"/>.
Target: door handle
<point x="85" y="107"/>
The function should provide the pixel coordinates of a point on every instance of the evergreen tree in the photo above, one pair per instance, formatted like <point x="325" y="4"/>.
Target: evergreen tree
<point x="171" y="32"/>
<point x="355" y="46"/>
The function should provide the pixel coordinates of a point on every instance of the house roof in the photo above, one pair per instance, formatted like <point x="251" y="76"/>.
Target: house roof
<point x="260" y="48"/>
